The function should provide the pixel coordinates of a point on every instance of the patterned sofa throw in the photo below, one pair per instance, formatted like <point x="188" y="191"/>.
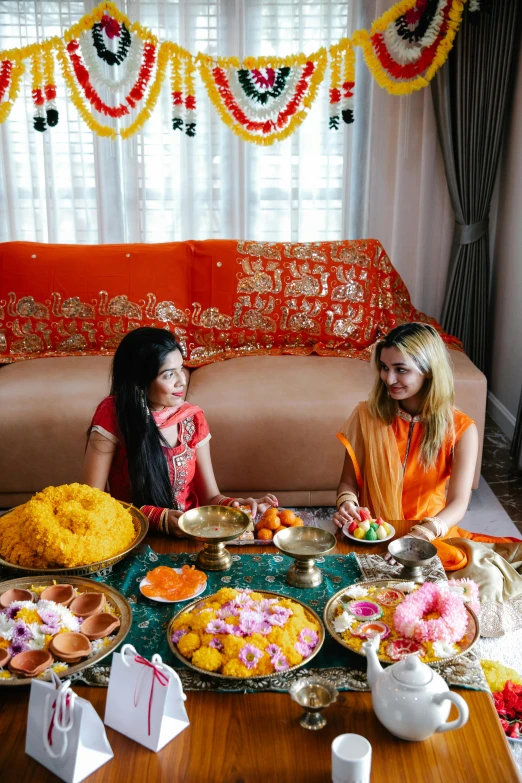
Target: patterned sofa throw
<point x="222" y="298"/>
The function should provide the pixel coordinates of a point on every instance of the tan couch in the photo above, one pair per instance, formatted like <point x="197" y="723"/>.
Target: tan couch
<point x="273" y="420"/>
<point x="289" y="319"/>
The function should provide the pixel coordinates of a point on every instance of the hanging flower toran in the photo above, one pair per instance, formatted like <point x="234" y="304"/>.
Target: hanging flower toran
<point x="263" y="99"/>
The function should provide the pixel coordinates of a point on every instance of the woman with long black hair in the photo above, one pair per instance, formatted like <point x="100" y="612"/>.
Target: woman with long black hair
<point x="146" y="444"/>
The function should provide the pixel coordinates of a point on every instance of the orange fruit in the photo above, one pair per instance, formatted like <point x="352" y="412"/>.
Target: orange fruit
<point x="271" y="513"/>
<point x="265" y="535"/>
<point x="287" y="517"/>
<point x="272" y="523"/>
<point x="298" y="522"/>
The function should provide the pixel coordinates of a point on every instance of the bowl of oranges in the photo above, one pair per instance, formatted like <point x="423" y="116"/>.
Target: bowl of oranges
<point x="273" y="520"/>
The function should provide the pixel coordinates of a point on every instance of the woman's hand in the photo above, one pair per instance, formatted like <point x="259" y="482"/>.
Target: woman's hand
<point x="173" y="523"/>
<point x="261" y="504"/>
<point x="347" y="512"/>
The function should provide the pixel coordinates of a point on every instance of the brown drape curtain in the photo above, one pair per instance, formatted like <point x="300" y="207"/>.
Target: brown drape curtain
<point x="471" y="94"/>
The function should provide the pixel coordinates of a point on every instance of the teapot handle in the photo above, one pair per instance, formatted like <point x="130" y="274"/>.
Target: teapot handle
<point x="460" y="704"/>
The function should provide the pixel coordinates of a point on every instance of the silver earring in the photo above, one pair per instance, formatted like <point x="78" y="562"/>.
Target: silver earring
<point x="144" y="405"/>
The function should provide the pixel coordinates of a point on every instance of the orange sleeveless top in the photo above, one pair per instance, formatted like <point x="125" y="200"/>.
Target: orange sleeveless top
<point x="391" y="481"/>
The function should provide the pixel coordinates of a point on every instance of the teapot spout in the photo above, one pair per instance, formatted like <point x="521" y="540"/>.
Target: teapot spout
<point x="374" y="667"/>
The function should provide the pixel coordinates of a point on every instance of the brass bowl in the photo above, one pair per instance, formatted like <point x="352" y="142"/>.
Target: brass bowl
<point x="412" y="554"/>
<point x="470" y="638"/>
<point x="112" y="596"/>
<point x="266" y="594"/>
<point x="141" y="526"/>
<point x="304" y="544"/>
<point x="214" y="525"/>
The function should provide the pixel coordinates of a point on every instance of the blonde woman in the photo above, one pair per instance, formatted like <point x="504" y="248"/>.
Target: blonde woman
<point x="408" y="439"/>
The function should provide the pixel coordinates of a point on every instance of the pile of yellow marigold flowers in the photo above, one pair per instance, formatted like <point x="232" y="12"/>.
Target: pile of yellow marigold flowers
<point x="241" y="633"/>
<point x="66" y="526"/>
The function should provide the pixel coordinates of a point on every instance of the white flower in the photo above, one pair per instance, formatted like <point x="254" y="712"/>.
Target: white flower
<point x="344" y="622"/>
<point x="443" y="649"/>
<point x="460" y="591"/>
<point x="405" y="587"/>
<point x="6" y="627"/>
<point x="356" y="592"/>
<point x="67" y="619"/>
<point x="38" y="640"/>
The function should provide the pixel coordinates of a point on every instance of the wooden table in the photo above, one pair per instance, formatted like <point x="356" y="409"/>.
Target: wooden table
<point x="248" y="738"/>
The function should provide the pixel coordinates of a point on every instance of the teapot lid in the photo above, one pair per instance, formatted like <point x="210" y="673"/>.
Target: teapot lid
<point x="411" y="671"/>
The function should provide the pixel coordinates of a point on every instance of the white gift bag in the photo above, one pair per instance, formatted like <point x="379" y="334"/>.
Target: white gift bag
<point x="145" y="699"/>
<point x="64" y="732"/>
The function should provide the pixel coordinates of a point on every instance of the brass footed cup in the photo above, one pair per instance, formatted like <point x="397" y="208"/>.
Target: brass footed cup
<point x="214" y="526"/>
<point x="304" y="544"/>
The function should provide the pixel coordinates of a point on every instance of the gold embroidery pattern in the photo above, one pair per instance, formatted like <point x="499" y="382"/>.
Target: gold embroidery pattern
<point x="331" y="298"/>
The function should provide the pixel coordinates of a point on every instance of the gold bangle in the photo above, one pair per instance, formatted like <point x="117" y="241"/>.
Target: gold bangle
<point x="346" y="496"/>
<point x="163" y="523"/>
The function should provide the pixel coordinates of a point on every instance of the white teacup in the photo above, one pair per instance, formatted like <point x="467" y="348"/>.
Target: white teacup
<point x="351" y="759"/>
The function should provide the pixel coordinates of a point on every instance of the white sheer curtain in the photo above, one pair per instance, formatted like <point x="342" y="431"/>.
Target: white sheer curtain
<point x="381" y="177"/>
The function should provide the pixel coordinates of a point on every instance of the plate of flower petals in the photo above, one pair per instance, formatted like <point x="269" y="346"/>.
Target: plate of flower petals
<point x="62" y="625"/>
<point x="240" y="634"/>
<point x="171" y="585"/>
<point x="437" y="621"/>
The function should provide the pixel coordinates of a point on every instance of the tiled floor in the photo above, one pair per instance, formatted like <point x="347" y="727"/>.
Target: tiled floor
<point x="500" y="473"/>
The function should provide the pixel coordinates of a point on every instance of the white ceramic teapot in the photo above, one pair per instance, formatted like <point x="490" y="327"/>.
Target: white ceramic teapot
<point x="410" y="698"/>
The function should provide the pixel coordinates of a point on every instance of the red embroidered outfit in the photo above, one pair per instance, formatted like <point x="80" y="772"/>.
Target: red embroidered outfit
<point x="193" y="432"/>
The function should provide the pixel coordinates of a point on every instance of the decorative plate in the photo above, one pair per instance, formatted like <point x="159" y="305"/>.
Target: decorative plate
<point x="266" y="594"/>
<point x="364" y="540"/>
<point x="341" y="599"/>
<point x="113" y="597"/>
<point x="199" y="590"/>
<point x="141" y="526"/>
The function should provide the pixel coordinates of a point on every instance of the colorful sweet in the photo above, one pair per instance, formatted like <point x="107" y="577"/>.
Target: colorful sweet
<point x="49" y="629"/>
<point x="275" y="519"/>
<point x="240" y="633"/>
<point x="403" y="639"/>
<point x="369" y="630"/>
<point x="400" y="648"/>
<point x="430" y="614"/>
<point x="167" y="583"/>
<point x="368" y="610"/>
<point x="66" y="526"/>
<point x="369" y="529"/>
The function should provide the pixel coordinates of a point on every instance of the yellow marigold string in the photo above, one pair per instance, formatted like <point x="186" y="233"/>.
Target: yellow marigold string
<point x="85" y="114"/>
<point x="154" y="92"/>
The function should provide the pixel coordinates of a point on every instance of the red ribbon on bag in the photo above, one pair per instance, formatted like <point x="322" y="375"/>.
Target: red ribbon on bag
<point x="157" y="674"/>
<point x="53" y="716"/>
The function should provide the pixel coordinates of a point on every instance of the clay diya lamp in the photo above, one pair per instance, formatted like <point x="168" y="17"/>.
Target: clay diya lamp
<point x="100" y="625"/>
<point x="5" y="657"/>
<point x="30" y="663"/>
<point x="60" y="594"/>
<point x="70" y="647"/>
<point x="88" y="604"/>
<point x="16" y="594"/>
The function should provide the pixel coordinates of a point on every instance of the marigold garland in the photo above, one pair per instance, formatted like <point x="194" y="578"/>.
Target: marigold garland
<point x="403" y="78"/>
<point x="278" y="121"/>
<point x="261" y="99"/>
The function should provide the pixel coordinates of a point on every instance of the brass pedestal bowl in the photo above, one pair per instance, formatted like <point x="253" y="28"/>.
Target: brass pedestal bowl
<point x="214" y="526"/>
<point x="304" y="544"/>
<point x="413" y="554"/>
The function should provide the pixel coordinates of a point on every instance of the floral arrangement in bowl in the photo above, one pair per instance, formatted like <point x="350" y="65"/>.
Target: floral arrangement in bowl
<point x="242" y="633"/>
<point x="31" y="625"/>
<point x="430" y="619"/>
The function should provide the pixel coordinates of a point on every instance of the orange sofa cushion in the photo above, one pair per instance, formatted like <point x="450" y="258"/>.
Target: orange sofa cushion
<point x="222" y="298"/>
